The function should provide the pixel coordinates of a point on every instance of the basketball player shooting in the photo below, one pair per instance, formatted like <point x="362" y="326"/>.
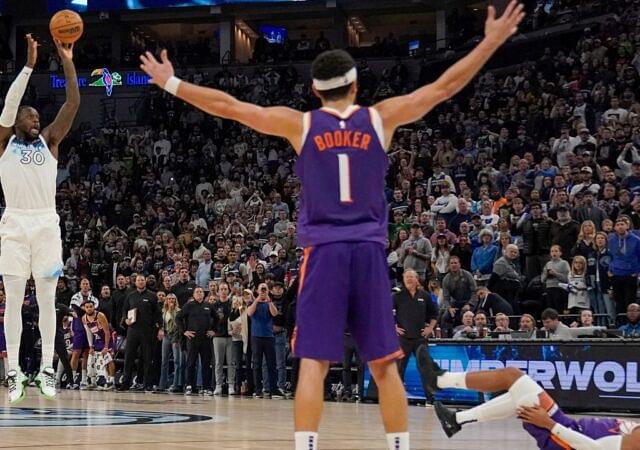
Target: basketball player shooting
<point x="524" y="398"/>
<point x="342" y="164"/>
<point x="29" y="231"/>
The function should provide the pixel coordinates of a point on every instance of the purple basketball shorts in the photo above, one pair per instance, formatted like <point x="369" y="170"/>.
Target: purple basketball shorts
<point x="344" y="286"/>
<point x="80" y="341"/>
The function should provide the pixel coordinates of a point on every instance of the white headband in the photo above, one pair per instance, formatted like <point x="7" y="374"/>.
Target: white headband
<point x="336" y="82"/>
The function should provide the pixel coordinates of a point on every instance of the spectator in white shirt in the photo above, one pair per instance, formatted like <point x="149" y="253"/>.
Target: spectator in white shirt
<point x="446" y="204"/>
<point x="615" y="113"/>
<point x="201" y="188"/>
<point x="587" y="174"/>
<point x="272" y="245"/>
<point x="161" y="149"/>
<point x="624" y="165"/>
<point x="562" y="146"/>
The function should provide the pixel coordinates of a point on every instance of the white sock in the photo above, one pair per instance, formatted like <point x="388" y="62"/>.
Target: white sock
<point x="398" y="441"/>
<point x="497" y="408"/>
<point x="46" y="293"/>
<point x="14" y="287"/>
<point x="306" y="440"/>
<point x="456" y="380"/>
<point x="84" y="376"/>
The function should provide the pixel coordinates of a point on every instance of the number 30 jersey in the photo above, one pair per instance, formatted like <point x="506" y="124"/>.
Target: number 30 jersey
<point x="28" y="174"/>
<point x="342" y="168"/>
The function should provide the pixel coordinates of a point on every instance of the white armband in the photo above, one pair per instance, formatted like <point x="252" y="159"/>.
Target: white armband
<point x="171" y="86"/>
<point x="576" y="440"/>
<point x="14" y="97"/>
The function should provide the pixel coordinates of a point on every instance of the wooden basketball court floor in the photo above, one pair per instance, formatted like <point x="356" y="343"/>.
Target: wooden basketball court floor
<point x="105" y="420"/>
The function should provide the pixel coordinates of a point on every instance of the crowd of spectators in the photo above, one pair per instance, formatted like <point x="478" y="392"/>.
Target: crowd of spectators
<point x="518" y="197"/>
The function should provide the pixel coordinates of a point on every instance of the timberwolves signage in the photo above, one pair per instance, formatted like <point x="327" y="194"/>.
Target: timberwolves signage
<point x="55" y="417"/>
<point x="574" y="374"/>
<point x="103" y="78"/>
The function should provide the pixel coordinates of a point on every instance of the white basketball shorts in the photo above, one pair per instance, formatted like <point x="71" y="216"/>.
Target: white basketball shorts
<point x="30" y="243"/>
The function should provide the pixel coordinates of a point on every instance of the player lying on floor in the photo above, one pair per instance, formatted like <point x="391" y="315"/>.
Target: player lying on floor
<point x="524" y="398"/>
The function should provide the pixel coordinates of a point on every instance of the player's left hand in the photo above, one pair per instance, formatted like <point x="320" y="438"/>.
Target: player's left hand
<point x="159" y="72"/>
<point x="64" y="50"/>
<point x="104" y="351"/>
<point x="32" y="51"/>
<point x="536" y="415"/>
<point x="498" y="30"/>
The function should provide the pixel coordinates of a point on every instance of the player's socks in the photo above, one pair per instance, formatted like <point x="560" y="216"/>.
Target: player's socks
<point x="456" y="380"/>
<point x="398" y="441"/>
<point x="497" y="408"/>
<point x="306" y="440"/>
<point x="14" y="288"/>
<point x="46" y="381"/>
<point x="17" y="383"/>
<point x="46" y="288"/>
<point x="84" y="376"/>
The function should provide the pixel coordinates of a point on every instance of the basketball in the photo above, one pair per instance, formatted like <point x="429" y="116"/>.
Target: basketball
<point x="67" y="26"/>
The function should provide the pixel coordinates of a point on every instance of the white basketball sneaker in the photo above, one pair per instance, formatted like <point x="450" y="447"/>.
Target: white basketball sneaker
<point x="17" y="383"/>
<point x="46" y="381"/>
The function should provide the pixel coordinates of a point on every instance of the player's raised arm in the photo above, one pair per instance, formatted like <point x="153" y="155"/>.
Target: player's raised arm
<point x="409" y="108"/>
<point x="275" y="121"/>
<point x="59" y="128"/>
<point x="16" y="92"/>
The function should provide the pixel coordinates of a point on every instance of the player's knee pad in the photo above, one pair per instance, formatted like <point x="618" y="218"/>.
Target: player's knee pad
<point x="525" y="392"/>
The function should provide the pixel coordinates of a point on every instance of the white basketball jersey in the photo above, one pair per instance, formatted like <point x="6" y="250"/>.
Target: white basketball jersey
<point x="28" y="173"/>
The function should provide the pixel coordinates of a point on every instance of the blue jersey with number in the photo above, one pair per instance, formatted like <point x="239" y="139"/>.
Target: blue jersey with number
<point x="342" y="167"/>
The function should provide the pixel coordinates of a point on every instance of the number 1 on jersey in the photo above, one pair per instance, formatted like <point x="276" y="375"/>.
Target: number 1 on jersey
<point x="345" y="178"/>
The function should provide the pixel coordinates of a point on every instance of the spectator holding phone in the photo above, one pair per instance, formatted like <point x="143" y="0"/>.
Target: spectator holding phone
<point x="262" y="311"/>
<point x="238" y="327"/>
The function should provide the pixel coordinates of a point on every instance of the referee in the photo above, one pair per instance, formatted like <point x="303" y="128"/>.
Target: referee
<point x="416" y="317"/>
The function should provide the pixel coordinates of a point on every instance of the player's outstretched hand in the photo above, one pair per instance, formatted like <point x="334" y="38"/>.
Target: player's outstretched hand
<point x="159" y="71"/>
<point x="32" y="51"/>
<point x="497" y="31"/>
<point x="64" y="50"/>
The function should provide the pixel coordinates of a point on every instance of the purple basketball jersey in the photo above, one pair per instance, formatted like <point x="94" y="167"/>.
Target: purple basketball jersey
<point x="594" y="428"/>
<point x="342" y="168"/>
<point x="97" y="332"/>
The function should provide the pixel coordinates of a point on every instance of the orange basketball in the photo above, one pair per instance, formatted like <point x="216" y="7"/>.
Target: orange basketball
<point x="67" y="26"/>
